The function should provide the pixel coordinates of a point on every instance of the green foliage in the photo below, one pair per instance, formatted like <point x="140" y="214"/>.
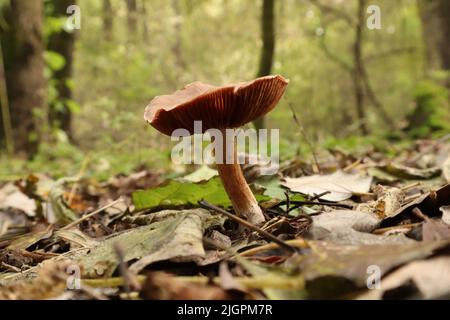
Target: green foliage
<point x="177" y="193"/>
<point x="431" y="113"/>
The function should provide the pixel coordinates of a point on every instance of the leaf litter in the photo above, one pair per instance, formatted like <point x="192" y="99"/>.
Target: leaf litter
<point x="363" y="213"/>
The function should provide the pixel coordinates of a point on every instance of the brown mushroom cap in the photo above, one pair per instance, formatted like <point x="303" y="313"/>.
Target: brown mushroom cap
<point x="229" y="106"/>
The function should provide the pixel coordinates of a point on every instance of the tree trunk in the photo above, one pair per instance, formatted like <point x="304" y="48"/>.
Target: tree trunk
<point x="132" y="15"/>
<point x="268" y="47"/>
<point x="358" y="70"/>
<point x="63" y="43"/>
<point x="435" y="19"/>
<point x="177" y="45"/>
<point x="24" y="69"/>
<point x="107" y="20"/>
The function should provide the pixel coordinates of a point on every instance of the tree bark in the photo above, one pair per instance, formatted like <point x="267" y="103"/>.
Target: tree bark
<point x="63" y="42"/>
<point x="132" y="15"/>
<point x="435" y="17"/>
<point x="358" y="69"/>
<point x="177" y="45"/>
<point x="24" y="69"/>
<point x="107" y="20"/>
<point x="268" y="47"/>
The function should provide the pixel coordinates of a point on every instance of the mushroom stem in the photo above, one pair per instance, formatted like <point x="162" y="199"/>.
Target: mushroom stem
<point x="239" y="192"/>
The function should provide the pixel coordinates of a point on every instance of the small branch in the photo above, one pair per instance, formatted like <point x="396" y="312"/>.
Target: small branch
<point x="76" y="222"/>
<point x="248" y="225"/>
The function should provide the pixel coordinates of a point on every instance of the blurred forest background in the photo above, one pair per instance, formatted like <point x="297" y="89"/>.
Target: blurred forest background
<point x="74" y="98"/>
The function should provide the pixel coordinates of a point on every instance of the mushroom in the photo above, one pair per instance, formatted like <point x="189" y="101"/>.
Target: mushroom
<point x="223" y="107"/>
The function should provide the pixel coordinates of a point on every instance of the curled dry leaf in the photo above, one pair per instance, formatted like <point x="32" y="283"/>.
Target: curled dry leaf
<point x="406" y="172"/>
<point x="389" y="200"/>
<point x="339" y="185"/>
<point x="429" y="203"/>
<point x="172" y="234"/>
<point x="332" y="270"/>
<point x="12" y="197"/>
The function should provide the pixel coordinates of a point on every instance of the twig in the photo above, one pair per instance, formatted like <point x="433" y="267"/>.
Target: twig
<point x="393" y="228"/>
<point x="70" y="225"/>
<point x="320" y="195"/>
<point x="248" y="225"/>
<point x="352" y="165"/>
<point x="410" y="186"/>
<point x="300" y="203"/>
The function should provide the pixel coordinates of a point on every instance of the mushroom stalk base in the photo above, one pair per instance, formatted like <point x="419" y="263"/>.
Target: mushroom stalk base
<point x="241" y="196"/>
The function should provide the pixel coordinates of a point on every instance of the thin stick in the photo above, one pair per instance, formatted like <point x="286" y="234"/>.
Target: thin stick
<point x="320" y="195"/>
<point x="6" y="116"/>
<point x="70" y="225"/>
<point x="410" y="186"/>
<point x="250" y="226"/>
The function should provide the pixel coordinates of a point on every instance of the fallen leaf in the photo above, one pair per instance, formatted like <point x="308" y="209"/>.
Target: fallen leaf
<point x="61" y="210"/>
<point x="25" y="241"/>
<point x="173" y="234"/>
<point x="405" y="172"/>
<point x="429" y="203"/>
<point x="431" y="279"/>
<point x="433" y="230"/>
<point x="49" y="283"/>
<point x="340" y="185"/>
<point x="12" y="197"/>
<point x="177" y="193"/>
<point x="445" y="214"/>
<point x="204" y="173"/>
<point x="163" y="286"/>
<point x="332" y="270"/>
<point x="446" y="169"/>
<point x="351" y="228"/>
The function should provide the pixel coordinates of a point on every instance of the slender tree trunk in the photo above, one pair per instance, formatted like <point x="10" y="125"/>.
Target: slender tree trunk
<point x="145" y="28"/>
<point x="63" y="42"/>
<point x="358" y="70"/>
<point x="24" y="69"/>
<point x="6" y="132"/>
<point x="435" y="17"/>
<point x="268" y="47"/>
<point x="178" y="43"/>
<point x="107" y="20"/>
<point x="132" y="16"/>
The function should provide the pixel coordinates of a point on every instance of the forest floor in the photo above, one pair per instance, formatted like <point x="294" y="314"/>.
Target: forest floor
<point x="353" y="227"/>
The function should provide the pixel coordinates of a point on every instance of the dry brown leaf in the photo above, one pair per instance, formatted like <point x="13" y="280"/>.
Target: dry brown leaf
<point x="431" y="278"/>
<point x="340" y="185"/>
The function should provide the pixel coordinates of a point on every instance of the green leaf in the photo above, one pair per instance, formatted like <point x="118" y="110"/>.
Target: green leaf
<point x="54" y="60"/>
<point x="177" y="193"/>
